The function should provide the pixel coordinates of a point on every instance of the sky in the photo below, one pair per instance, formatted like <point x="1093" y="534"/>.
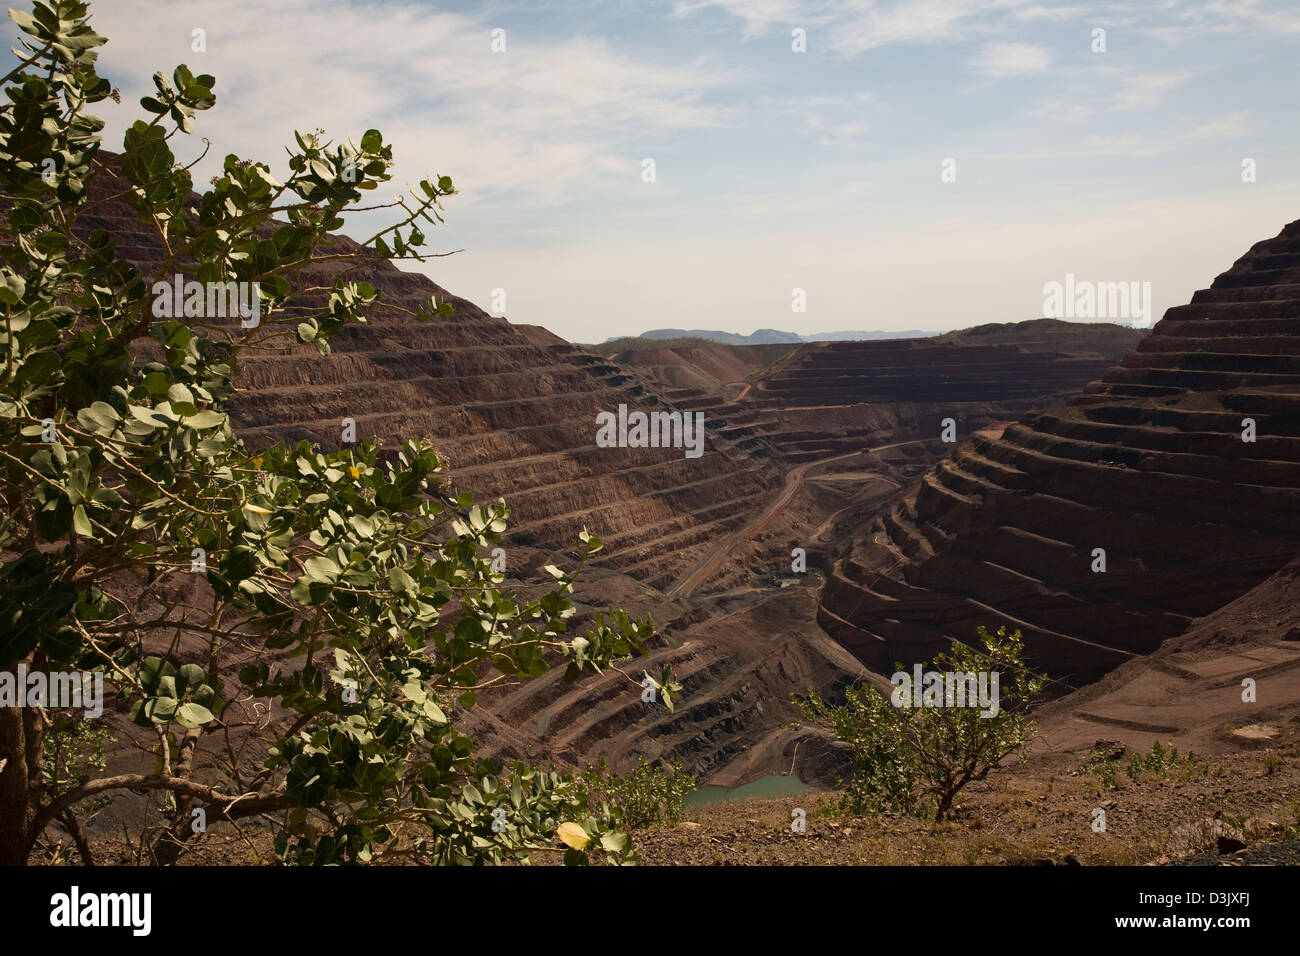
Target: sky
<point x="919" y="165"/>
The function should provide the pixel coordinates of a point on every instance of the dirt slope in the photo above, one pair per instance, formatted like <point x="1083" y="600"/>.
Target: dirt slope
<point x="1190" y="689"/>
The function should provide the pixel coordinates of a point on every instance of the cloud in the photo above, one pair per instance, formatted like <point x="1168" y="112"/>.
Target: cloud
<point x="1053" y="13"/>
<point x="851" y="27"/>
<point x="1062" y="109"/>
<point x="545" y="141"/>
<point x="1254" y="14"/>
<point x="1093" y="147"/>
<point x="1145" y="91"/>
<point x="549" y="119"/>
<point x="840" y="133"/>
<point x="1230" y="126"/>
<point x="1242" y="15"/>
<point x="1011" y="59"/>
<point x="836" y="118"/>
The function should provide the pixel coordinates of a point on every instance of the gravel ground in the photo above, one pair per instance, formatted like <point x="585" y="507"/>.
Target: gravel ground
<point x="1285" y="853"/>
<point x="1039" y="813"/>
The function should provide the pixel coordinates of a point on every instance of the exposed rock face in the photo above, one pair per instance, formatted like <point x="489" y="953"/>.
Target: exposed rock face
<point x="920" y="382"/>
<point x="514" y="420"/>
<point x="513" y="413"/>
<point x="1149" y="464"/>
<point x="733" y="722"/>
<point x="1189" y="692"/>
<point x="817" y="400"/>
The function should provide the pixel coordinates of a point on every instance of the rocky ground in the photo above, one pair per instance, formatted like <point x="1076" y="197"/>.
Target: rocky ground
<point x="1040" y="812"/>
<point x="1232" y="809"/>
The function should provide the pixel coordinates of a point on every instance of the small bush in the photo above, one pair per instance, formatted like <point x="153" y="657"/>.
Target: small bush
<point x="1164" y="763"/>
<point x="1103" y="769"/>
<point x="646" y="796"/>
<point x="917" y="759"/>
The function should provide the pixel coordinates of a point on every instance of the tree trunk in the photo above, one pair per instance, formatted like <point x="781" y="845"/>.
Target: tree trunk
<point x="16" y="813"/>
<point x="167" y="848"/>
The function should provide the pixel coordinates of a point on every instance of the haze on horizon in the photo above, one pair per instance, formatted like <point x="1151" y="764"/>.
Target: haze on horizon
<point x="774" y="170"/>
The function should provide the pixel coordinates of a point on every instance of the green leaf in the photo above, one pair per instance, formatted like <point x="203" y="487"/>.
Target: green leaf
<point x="321" y="568"/>
<point x="204" y="419"/>
<point x="25" y="22"/>
<point x="99" y="417"/>
<point x="401" y="582"/>
<point x="55" y="518"/>
<point x="193" y="675"/>
<point x="156" y="383"/>
<point x="614" y="842"/>
<point x="433" y="711"/>
<point x="180" y="395"/>
<point x="161" y="709"/>
<point x="193" y="715"/>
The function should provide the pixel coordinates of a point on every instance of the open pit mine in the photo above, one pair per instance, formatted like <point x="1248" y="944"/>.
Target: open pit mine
<point x="826" y="528"/>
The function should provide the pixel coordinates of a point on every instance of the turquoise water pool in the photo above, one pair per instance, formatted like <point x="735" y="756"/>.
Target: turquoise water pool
<point x="773" y="785"/>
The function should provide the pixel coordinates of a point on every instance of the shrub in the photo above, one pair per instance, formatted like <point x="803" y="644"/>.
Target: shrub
<point x="1102" y="764"/>
<point x="1104" y="769"/>
<point x="1165" y="762"/>
<point x="646" y="796"/>
<point x="917" y="759"/>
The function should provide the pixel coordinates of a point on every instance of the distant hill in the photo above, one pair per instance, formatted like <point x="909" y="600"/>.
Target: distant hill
<point x="777" y="337"/>
<point x="868" y="336"/>
<point x="757" y="337"/>
<point x="629" y="343"/>
<point x="1034" y="335"/>
<point x="1052" y="335"/>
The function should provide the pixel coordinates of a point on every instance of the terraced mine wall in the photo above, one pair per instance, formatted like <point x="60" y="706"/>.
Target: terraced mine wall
<point x="512" y="413"/>
<point x="1148" y="464"/>
<point x="823" y="399"/>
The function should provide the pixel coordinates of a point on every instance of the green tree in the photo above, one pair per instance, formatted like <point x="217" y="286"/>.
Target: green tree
<point x="917" y="759"/>
<point x="337" y="603"/>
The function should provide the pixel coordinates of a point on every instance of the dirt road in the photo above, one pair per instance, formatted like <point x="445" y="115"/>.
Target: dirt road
<point x="713" y="560"/>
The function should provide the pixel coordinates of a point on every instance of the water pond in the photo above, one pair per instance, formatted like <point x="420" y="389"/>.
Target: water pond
<point x="773" y="785"/>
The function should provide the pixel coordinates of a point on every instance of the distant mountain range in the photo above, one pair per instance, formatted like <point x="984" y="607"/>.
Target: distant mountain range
<point x="776" y="336"/>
